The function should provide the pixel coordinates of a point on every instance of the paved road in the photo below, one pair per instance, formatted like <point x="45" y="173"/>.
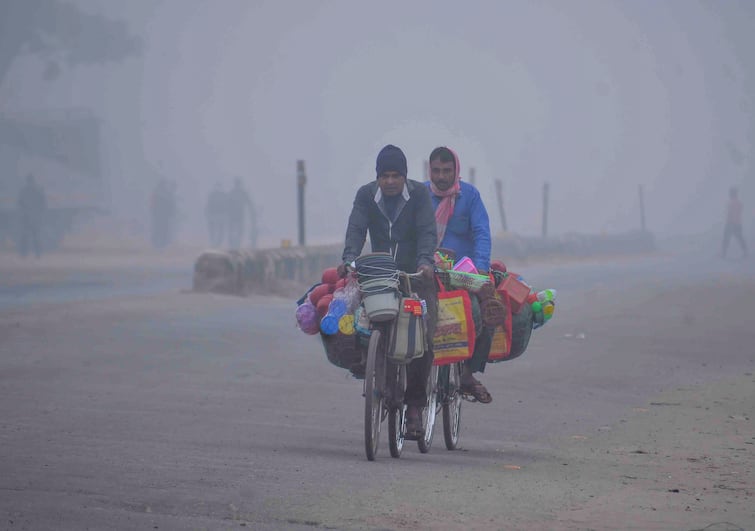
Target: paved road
<point x="148" y="408"/>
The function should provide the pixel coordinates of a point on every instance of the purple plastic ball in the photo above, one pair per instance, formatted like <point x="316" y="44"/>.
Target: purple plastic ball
<point x="306" y="317"/>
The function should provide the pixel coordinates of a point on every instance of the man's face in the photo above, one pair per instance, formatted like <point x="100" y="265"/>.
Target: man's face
<point x="442" y="174"/>
<point x="391" y="183"/>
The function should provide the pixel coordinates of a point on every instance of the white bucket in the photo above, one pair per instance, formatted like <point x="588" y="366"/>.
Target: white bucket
<point x="381" y="306"/>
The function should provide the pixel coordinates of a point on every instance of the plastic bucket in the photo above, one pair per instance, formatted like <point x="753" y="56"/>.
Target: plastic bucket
<point x="380" y="298"/>
<point x="381" y="306"/>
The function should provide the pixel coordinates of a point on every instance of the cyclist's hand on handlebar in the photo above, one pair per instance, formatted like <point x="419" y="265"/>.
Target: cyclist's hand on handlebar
<point x="344" y="269"/>
<point x="427" y="271"/>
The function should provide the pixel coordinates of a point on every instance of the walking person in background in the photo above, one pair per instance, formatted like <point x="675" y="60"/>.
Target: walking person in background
<point x="733" y="223"/>
<point x="239" y="203"/>
<point x="32" y="208"/>
<point x="217" y="216"/>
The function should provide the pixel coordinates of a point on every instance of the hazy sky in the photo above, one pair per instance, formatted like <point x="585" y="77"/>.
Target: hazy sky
<point x="595" y="97"/>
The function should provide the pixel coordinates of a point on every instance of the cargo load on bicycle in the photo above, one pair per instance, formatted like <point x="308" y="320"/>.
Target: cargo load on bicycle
<point x="503" y="302"/>
<point x="339" y="310"/>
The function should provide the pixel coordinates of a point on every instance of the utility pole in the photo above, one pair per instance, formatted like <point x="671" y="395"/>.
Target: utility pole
<point x="546" y="188"/>
<point x="301" y="182"/>
<point x="472" y="176"/>
<point x="499" y="196"/>
<point x="642" y="207"/>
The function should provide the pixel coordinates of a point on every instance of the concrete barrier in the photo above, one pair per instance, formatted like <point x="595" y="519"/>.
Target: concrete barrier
<point x="280" y="271"/>
<point x="287" y="271"/>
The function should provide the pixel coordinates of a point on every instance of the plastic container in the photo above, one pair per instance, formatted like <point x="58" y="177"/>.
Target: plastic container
<point x="517" y="291"/>
<point x="467" y="265"/>
<point x="381" y="306"/>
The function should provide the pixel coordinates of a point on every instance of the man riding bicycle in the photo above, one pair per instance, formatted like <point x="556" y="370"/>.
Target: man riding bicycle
<point x="463" y="226"/>
<point x="398" y="214"/>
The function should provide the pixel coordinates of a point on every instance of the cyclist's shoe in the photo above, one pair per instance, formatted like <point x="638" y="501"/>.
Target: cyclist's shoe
<point x="357" y="371"/>
<point x="414" y="428"/>
<point x="475" y="389"/>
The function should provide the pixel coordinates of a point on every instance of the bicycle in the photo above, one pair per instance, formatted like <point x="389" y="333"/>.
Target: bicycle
<point x="385" y="384"/>
<point x="444" y="395"/>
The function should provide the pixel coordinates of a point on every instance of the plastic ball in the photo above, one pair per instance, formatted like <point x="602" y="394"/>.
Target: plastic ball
<point x="322" y="305"/>
<point x="346" y="324"/>
<point x="306" y="318"/>
<point x="317" y="293"/>
<point x="330" y="276"/>
<point x="329" y="325"/>
<point x="498" y="265"/>
<point x="337" y="308"/>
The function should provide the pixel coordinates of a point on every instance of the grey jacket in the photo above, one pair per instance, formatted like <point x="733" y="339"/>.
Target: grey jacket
<point x="411" y="236"/>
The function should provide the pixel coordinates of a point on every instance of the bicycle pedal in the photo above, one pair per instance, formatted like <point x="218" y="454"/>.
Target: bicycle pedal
<point x="468" y="397"/>
<point x="416" y="436"/>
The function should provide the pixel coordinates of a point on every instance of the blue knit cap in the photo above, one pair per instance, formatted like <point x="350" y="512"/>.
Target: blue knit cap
<point x="391" y="158"/>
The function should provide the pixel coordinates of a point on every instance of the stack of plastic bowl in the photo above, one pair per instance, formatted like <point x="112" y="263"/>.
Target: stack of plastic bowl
<point x="377" y="275"/>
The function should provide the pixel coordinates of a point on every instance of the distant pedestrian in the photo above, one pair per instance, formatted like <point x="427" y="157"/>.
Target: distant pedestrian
<point x="239" y="204"/>
<point x="32" y="209"/>
<point x="733" y="223"/>
<point x="216" y="213"/>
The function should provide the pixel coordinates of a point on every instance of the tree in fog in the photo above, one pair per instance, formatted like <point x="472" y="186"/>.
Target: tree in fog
<point x="61" y="35"/>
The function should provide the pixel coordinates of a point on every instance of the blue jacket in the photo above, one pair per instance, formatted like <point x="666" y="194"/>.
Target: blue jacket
<point x="468" y="230"/>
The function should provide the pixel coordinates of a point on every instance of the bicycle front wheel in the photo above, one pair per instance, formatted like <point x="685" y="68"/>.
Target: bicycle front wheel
<point x="373" y="394"/>
<point x="428" y="417"/>
<point x="396" y="430"/>
<point x="452" y="407"/>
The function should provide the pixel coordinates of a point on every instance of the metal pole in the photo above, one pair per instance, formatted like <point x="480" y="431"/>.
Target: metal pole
<point x="642" y="207"/>
<point x="426" y="167"/>
<point x="499" y="196"/>
<point x="301" y="181"/>
<point x="546" y="188"/>
<point x="472" y="177"/>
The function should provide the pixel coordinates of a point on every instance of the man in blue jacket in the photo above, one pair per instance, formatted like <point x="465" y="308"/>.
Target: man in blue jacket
<point x="464" y="227"/>
<point x="398" y="214"/>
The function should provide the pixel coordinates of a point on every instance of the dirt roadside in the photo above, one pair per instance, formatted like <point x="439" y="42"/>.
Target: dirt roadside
<point x="685" y="461"/>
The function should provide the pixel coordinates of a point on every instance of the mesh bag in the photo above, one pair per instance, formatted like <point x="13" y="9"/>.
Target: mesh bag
<point x="462" y="280"/>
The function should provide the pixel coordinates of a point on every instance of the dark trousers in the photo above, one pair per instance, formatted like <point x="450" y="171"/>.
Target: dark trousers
<point x="736" y="231"/>
<point x="29" y="240"/>
<point x="418" y="370"/>
<point x="483" y="338"/>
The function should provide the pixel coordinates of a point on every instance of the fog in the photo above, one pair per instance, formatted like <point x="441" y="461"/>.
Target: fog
<point x="594" y="97"/>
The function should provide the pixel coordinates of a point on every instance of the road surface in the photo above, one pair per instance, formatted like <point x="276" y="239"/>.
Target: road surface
<point x="127" y="402"/>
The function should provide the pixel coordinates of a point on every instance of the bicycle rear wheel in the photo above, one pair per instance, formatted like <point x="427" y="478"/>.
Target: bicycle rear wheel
<point x="431" y="409"/>
<point x="373" y="394"/>
<point x="452" y="407"/>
